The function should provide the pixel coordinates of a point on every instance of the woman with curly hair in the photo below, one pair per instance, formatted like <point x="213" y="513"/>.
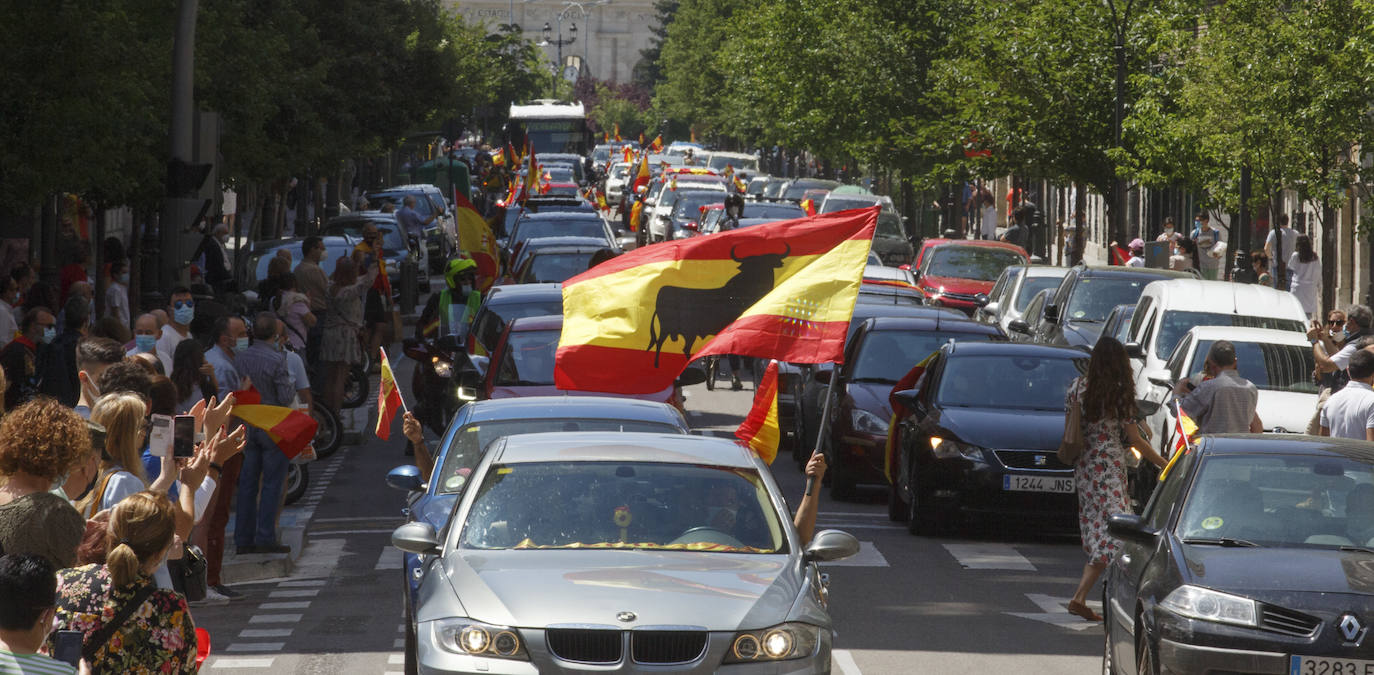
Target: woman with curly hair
<point x="1106" y="396"/>
<point x="40" y="441"/>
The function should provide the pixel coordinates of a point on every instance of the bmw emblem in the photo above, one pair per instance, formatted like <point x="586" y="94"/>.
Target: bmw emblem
<point x="626" y="617"/>
<point x="1352" y="630"/>
<point x="1040" y="460"/>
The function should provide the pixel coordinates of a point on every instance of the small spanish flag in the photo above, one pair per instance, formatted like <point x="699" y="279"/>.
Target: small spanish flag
<point x="635" y="212"/>
<point x="606" y="137"/>
<point x="657" y="145"/>
<point x="498" y="158"/>
<point x="1187" y="432"/>
<point x="641" y="139"/>
<point x="740" y="184"/>
<point x="388" y="399"/>
<point x="642" y="176"/>
<point x="809" y="206"/>
<point x="291" y="429"/>
<point x="760" y="430"/>
<point x="617" y="132"/>
<point x="629" y="153"/>
<point x="601" y="200"/>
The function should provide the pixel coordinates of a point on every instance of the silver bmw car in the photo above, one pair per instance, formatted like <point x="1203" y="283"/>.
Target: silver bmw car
<point x="620" y="552"/>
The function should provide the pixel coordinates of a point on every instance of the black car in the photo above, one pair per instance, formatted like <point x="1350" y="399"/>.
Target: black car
<point x="556" y="224"/>
<point x="981" y="436"/>
<point x="876" y="356"/>
<point x="1255" y="555"/>
<point x="504" y="304"/>
<point x="1074" y="315"/>
<point x="885" y="294"/>
<point x="557" y="262"/>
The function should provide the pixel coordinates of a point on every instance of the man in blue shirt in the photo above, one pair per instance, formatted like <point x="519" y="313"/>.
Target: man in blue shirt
<point x="410" y="221"/>
<point x="255" y="526"/>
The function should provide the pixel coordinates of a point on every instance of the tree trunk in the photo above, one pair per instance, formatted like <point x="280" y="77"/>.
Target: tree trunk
<point x="1080" y="207"/>
<point x="1328" y="256"/>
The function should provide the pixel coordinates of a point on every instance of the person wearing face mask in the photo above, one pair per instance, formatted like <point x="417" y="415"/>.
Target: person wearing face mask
<point x="449" y="311"/>
<point x="84" y="470"/>
<point x="28" y="598"/>
<point x="231" y="337"/>
<point x="39" y="443"/>
<point x="19" y="358"/>
<point x="117" y="293"/>
<point x="183" y="311"/>
<point x="93" y="357"/>
<point x="145" y="335"/>
<point x="9" y="296"/>
<point x="57" y="367"/>
<point x="1169" y="233"/>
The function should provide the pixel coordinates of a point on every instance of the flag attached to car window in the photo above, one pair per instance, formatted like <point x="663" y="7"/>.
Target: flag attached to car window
<point x="783" y="290"/>
<point x="760" y="430"/>
<point x="642" y="176"/>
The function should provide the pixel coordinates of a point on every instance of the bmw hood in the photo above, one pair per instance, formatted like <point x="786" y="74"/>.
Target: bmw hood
<point x="1009" y="429"/>
<point x="533" y="589"/>
<point x="1263" y="571"/>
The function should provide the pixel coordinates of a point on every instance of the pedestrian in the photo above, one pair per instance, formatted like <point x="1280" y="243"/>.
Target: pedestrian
<point x="264" y="465"/>
<point x="231" y="337"/>
<point x="1018" y="233"/>
<point x="293" y="307"/>
<point x="1211" y="246"/>
<point x="28" y="605"/>
<point x="1225" y="402"/>
<point x="182" y="311"/>
<point x="122" y="413"/>
<point x="410" y="221"/>
<point x="158" y="635"/>
<point x="1287" y="241"/>
<point x="192" y="378"/>
<point x="1169" y="234"/>
<point x="1259" y="263"/>
<point x="93" y="357"/>
<point x="117" y="293"/>
<point x="19" y="358"/>
<point x="314" y="283"/>
<point x="9" y="295"/>
<point x="57" y="364"/>
<point x="1305" y="275"/>
<point x="339" y="348"/>
<point x="146" y="332"/>
<point x="1137" y="247"/>
<point x="217" y="270"/>
<point x="1331" y="352"/>
<point x="377" y="300"/>
<point x="1106" y="399"/>
<point x="1349" y="413"/>
<point x="987" y="215"/>
<point x="40" y="442"/>
<point x="300" y="377"/>
<point x="1184" y="257"/>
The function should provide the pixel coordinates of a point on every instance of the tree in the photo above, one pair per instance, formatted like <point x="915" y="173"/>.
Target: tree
<point x="648" y="71"/>
<point x="690" y="91"/>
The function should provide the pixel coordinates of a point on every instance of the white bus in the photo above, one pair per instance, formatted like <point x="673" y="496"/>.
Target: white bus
<point x="551" y="126"/>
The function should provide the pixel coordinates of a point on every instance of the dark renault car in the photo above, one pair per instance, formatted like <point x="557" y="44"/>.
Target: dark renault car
<point x="1075" y="314"/>
<point x="1255" y="555"/>
<point x="878" y="353"/>
<point x="981" y="438"/>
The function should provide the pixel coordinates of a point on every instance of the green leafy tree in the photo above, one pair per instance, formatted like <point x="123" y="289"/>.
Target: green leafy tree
<point x="649" y="69"/>
<point x="690" y="92"/>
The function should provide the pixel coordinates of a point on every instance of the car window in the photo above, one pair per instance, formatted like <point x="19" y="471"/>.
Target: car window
<point x="1166" y="494"/>
<point x="552" y="227"/>
<point x="1177" y="323"/>
<point x="1095" y="297"/>
<point x="422" y="206"/>
<point x="1281" y="500"/>
<point x="885" y="355"/>
<point x="1007" y="279"/>
<point x="468" y="444"/>
<point x="1004" y="381"/>
<point x="1141" y="310"/>
<point x="834" y="204"/>
<point x="688" y="204"/>
<point x="556" y="267"/>
<point x="1268" y="366"/>
<point x="1030" y="287"/>
<point x="494" y="317"/>
<point x="1175" y="364"/>
<point x="259" y="260"/>
<point x="971" y="262"/>
<point x="623" y="505"/>
<point x="1124" y="325"/>
<point x="528" y="359"/>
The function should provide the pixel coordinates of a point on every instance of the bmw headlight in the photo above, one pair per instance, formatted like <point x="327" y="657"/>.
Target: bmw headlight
<point x="1206" y="604"/>
<point x="465" y="636"/>
<point x="779" y="643"/>
<point x="866" y="422"/>
<point x="442" y="368"/>
<point x="949" y="448"/>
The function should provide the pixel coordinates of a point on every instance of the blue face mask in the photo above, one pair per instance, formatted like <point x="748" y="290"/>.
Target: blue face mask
<point x="184" y="314"/>
<point x="145" y="343"/>
<point x="1345" y="335"/>
<point x="123" y="278"/>
<point x="49" y="334"/>
<point x="241" y="344"/>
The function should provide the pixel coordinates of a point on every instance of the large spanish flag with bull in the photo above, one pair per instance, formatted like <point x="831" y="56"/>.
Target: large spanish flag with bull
<point x="782" y="291"/>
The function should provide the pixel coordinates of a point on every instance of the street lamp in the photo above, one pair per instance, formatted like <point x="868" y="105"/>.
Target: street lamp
<point x="548" y="34"/>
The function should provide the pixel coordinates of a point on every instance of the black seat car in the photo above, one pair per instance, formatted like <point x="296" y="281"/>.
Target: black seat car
<point x="1074" y="315"/>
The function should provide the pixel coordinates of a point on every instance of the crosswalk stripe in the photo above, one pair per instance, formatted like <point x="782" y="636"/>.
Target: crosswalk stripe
<point x="223" y="662"/>
<point x="255" y="647"/>
<point x="989" y="557"/>
<point x="390" y="559"/>
<point x="868" y="556"/>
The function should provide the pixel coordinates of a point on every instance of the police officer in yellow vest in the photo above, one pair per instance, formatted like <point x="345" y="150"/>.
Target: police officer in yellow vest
<point x="449" y="311"/>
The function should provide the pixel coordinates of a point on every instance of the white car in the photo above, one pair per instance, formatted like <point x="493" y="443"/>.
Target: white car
<point x="1012" y="293"/>
<point x="1168" y="309"/>
<point x="616" y="179"/>
<point x="741" y="162"/>
<point x="662" y="210"/>
<point x="879" y="272"/>
<point x="1278" y="362"/>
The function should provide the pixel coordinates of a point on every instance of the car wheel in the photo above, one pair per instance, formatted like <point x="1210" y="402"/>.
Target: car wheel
<point x="329" y="436"/>
<point x="842" y="483"/>
<point x="897" y="509"/>
<point x="297" y="480"/>
<point x="1146" y="661"/>
<point x="711" y="373"/>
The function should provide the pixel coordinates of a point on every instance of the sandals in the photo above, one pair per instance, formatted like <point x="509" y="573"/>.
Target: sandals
<point x="1080" y="609"/>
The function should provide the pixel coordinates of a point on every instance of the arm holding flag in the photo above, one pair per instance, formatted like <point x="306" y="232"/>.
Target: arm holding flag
<point x="805" y="519"/>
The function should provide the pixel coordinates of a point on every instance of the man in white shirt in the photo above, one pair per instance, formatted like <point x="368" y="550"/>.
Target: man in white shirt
<point x="1288" y="244"/>
<point x="181" y="311"/>
<point x="1349" y="413"/>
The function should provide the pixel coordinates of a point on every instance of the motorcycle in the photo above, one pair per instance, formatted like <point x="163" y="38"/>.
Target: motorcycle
<point x="446" y="378"/>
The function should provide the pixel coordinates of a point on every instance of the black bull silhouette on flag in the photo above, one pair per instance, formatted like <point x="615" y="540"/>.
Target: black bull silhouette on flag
<point x="697" y="313"/>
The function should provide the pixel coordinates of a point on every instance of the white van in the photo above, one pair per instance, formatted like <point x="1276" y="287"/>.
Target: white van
<point x="1168" y="309"/>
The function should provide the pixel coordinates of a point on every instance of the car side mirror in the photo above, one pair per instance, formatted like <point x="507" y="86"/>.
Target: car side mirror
<point x="1161" y="377"/>
<point x="451" y="343"/>
<point x="981" y="299"/>
<point x="908" y="398"/>
<point x="415" y="349"/>
<point x="694" y="373"/>
<point x="991" y="308"/>
<point x="418" y="538"/>
<point x="1019" y="326"/>
<point x="1134" y="350"/>
<point x="830" y="545"/>
<point x="1131" y="527"/>
<point x="1051" y="312"/>
<point x="475" y="373"/>
<point x="406" y="478"/>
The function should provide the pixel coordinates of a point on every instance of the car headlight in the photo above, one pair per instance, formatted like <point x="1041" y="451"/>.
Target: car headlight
<point x="948" y="448"/>
<point x="465" y="636"/>
<point x="466" y="394"/>
<point x="866" y="422"/>
<point x="779" y="643"/>
<point x="442" y="368"/>
<point x="1206" y="604"/>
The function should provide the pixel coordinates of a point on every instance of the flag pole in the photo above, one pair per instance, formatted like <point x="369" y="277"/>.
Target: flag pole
<point x="389" y="369"/>
<point x="825" y="417"/>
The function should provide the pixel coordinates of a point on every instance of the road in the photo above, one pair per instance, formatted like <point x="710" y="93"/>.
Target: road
<point x="970" y="603"/>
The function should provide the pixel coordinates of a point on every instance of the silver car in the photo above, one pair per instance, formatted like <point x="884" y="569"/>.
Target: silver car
<point x="621" y="552"/>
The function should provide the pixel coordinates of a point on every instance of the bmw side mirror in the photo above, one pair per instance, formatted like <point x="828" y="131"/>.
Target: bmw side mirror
<point x="981" y="299"/>
<point x="1131" y="527"/>
<point x="406" y="478"/>
<point x="1051" y="312"/>
<point x="416" y="538"/>
<point x="830" y="545"/>
<point x="1134" y="350"/>
<point x="1019" y="326"/>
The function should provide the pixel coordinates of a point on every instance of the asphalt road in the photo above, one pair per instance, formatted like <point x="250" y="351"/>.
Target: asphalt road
<point x="970" y="603"/>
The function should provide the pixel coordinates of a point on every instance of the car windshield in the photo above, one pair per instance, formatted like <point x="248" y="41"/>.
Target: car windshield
<point x="494" y="316"/>
<point x="1018" y="382"/>
<point x="557" y="227"/>
<point x="834" y="204"/>
<point x="528" y="361"/>
<point x="1176" y="323"/>
<point x="886" y="354"/>
<point x="1281" y="500"/>
<point x="623" y="505"/>
<point x="980" y="263"/>
<point x="719" y="162"/>
<point x="774" y="189"/>
<point x="769" y="210"/>
<point x="796" y="190"/>
<point x="375" y="201"/>
<point x="1094" y="298"/>
<point x="1031" y="286"/>
<point x="469" y="442"/>
<point x="560" y="174"/>
<point x="889" y="225"/>
<point x="391" y="235"/>
<point x="561" y="191"/>
<point x="1268" y="366"/>
<point x="688" y="204"/>
<point x="556" y="267"/>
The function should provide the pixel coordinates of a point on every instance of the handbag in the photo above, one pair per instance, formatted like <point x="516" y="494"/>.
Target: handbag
<point x="189" y="574"/>
<point x="1071" y="447"/>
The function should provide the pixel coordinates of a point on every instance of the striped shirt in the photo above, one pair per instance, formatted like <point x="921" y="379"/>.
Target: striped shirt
<point x="32" y="664"/>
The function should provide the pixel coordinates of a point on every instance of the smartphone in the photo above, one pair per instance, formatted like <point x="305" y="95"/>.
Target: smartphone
<point x="67" y="646"/>
<point x="183" y="436"/>
<point x="160" y="436"/>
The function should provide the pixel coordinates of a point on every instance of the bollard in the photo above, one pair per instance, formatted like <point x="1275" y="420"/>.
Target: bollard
<point x="410" y="274"/>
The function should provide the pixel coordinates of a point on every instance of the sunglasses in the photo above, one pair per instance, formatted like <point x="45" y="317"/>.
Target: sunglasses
<point x="1335" y="320"/>
<point x="183" y="303"/>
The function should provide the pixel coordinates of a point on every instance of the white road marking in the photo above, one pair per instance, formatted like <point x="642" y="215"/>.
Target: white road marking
<point x="1053" y="611"/>
<point x="285" y="605"/>
<point x="396" y="660"/>
<point x="275" y="618"/>
<point x="390" y="559"/>
<point x="989" y="557"/>
<point x="243" y="663"/>
<point x="301" y="593"/>
<point x="266" y="632"/>
<point x="845" y="661"/>
<point x="868" y="556"/>
<point x="255" y="647"/>
<point x="401" y="628"/>
<point x="304" y="582"/>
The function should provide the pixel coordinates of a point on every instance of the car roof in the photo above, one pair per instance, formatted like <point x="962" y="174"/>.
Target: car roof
<point x="1287" y="444"/>
<point x="980" y="243"/>
<point x="597" y="407"/>
<point x="934" y="321"/>
<point x="1016" y="349"/>
<point x="561" y="215"/>
<point x="864" y="311"/>
<point x="533" y="323"/>
<point x="1044" y="271"/>
<point x="1223" y="296"/>
<point x="1244" y="334"/>
<point x="622" y="446"/>
<point x="1132" y="272"/>
<point x="885" y="273"/>
<point x="330" y="240"/>
<point x="523" y="292"/>
<point x="542" y="243"/>
<point x="363" y="216"/>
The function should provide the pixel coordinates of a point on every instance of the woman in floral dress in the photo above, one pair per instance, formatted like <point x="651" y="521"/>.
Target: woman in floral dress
<point x="158" y="636"/>
<point x="1107" y="397"/>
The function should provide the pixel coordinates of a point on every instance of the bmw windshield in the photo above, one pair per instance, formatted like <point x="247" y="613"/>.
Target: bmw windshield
<point x="623" y="505"/>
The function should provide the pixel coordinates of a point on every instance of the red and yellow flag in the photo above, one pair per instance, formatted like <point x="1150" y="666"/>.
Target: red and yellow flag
<point x="760" y="430"/>
<point x="693" y="134"/>
<point x="617" y="132"/>
<point x="635" y="212"/>
<point x="1187" y="433"/>
<point x="606" y="137"/>
<point x="642" y="176"/>
<point x="476" y="239"/>
<point x="388" y="399"/>
<point x="498" y="158"/>
<point x="784" y="290"/>
<point x="291" y="429"/>
<point x="657" y="145"/>
<point x="629" y="153"/>
<point x="809" y="206"/>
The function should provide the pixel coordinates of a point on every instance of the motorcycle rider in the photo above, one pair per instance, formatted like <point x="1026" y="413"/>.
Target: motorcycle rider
<point x="450" y="311"/>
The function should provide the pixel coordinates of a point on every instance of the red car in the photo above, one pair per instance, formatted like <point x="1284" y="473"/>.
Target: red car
<point x="952" y="272"/>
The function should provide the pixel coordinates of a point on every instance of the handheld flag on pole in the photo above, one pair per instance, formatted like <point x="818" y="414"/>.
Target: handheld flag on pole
<point x="388" y="399"/>
<point x="1187" y="429"/>
<point x="291" y="429"/>
<point x="783" y="290"/>
<point x="617" y="132"/>
<point x="760" y="430"/>
<point x="657" y="145"/>
<point x="642" y="176"/>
